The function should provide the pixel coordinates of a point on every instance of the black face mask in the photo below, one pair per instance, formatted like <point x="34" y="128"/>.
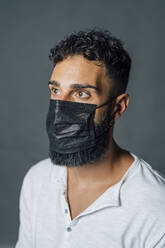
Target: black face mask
<point x="70" y="126"/>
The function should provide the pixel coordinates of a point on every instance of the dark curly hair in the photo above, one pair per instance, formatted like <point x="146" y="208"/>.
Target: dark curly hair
<point x="98" y="45"/>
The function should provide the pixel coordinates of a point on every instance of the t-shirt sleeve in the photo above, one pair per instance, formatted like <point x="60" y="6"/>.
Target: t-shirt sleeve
<point x="25" y="215"/>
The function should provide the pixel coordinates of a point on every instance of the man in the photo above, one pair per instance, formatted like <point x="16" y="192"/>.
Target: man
<point x="90" y="192"/>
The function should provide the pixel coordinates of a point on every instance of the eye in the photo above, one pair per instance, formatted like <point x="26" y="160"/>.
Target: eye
<point x="83" y="94"/>
<point x="55" y="91"/>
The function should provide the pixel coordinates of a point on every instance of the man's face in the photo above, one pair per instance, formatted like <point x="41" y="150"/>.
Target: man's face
<point x="78" y="80"/>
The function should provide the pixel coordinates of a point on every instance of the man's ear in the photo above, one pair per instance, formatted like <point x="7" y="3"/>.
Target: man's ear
<point x="121" y="105"/>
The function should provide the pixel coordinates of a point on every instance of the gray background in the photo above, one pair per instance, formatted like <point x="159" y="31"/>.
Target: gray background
<point x="28" y="30"/>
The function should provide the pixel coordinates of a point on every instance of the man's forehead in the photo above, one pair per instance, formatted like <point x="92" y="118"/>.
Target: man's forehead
<point x="78" y="70"/>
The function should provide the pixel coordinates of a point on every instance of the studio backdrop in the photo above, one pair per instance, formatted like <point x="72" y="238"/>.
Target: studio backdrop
<point x="28" y="30"/>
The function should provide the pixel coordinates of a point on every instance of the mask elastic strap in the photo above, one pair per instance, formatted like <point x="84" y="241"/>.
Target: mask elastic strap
<point x="107" y="102"/>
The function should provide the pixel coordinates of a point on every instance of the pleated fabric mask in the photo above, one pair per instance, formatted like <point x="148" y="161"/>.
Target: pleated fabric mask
<point x="70" y="125"/>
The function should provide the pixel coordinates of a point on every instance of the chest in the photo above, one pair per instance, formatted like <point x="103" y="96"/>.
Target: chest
<point x="79" y="200"/>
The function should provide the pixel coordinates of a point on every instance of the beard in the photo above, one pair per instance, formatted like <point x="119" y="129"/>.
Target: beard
<point x="90" y="155"/>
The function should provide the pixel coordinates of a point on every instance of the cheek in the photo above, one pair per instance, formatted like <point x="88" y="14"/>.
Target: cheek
<point x="98" y="116"/>
<point x="103" y="115"/>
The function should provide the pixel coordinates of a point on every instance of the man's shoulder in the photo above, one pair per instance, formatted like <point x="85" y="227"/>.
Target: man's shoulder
<point x="41" y="172"/>
<point x="39" y="169"/>
<point x="151" y="176"/>
<point x="148" y="184"/>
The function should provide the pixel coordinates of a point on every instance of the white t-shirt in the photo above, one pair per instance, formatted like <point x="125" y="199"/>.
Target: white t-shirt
<point x="129" y="214"/>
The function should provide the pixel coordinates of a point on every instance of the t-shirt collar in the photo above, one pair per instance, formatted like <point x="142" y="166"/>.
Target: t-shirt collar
<point x="111" y="197"/>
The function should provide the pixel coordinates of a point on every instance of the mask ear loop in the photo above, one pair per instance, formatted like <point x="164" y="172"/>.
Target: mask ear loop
<point x="110" y="100"/>
<point x="107" y="102"/>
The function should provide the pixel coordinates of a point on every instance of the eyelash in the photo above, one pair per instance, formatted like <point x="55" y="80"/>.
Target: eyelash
<point x="77" y="91"/>
<point x="81" y="91"/>
<point x="52" y="90"/>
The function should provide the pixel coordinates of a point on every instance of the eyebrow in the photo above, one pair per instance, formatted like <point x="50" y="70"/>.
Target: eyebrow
<point x="76" y="86"/>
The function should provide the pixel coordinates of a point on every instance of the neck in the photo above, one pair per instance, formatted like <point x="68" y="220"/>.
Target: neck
<point x="102" y="172"/>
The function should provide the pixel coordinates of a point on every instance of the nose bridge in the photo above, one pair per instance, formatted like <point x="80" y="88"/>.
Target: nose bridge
<point x="65" y="94"/>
